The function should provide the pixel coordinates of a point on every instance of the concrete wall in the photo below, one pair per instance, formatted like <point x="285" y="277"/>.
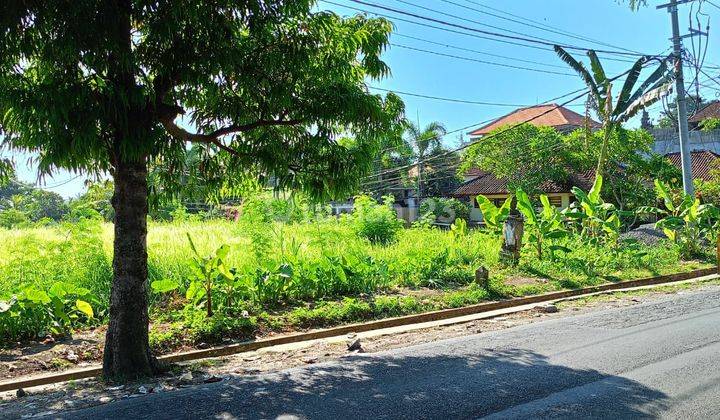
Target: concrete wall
<point x="408" y="214"/>
<point x="667" y="140"/>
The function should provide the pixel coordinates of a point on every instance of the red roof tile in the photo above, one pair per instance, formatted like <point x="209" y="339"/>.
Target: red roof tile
<point x="701" y="162"/>
<point x="712" y="110"/>
<point x="487" y="183"/>
<point x="547" y="115"/>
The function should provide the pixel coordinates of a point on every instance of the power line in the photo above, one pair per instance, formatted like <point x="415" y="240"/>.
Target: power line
<point x="538" y="25"/>
<point x="439" y="12"/>
<point x="482" y="61"/>
<point x="491" y="33"/>
<point x="60" y="184"/>
<point x="712" y="4"/>
<point x="461" y="101"/>
<point x="441" y="44"/>
<point x="474" y="35"/>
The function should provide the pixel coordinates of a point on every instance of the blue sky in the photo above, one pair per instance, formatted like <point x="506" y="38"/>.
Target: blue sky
<point x="646" y="31"/>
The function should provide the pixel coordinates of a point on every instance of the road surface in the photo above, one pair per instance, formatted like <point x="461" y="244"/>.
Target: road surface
<point x="660" y="359"/>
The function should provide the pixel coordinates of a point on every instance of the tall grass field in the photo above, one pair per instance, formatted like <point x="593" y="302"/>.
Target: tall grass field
<point x="302" y="267"/>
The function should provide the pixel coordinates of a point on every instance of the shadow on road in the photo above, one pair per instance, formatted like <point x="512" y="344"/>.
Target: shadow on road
<point x="450" y="387"/>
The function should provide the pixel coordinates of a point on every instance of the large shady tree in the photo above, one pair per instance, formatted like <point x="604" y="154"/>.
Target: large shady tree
<point x="631" y="100"/>
<point x="266" y="86"/>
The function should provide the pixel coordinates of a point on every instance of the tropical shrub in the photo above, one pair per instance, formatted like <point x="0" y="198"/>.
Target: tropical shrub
<point x="710" y="124"/>
<point x="493" y="216"/>
<point x="598" y="220"/>
<point x="543" y="226"/>
<point x="445" y="210"/>
<point x="11" y="218"/>
<point x="34" y="313"/>
<point x="684" y="220"/>
<point x="374" y="221"/>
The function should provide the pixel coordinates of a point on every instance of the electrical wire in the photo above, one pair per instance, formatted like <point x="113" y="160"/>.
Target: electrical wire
<point x="473" y="35"/>
<point x="492" y="63"/>
<point x="461" y="101"/>
<point x="445" y="45"/>
<point x="539" y="25"/>
<point x="464" y="19"/>
<point x="60" y="184"/>
<point x="526" y="39"/>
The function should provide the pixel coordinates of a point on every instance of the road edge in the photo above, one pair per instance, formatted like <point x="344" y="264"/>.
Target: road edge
<point x="520" y="304"/>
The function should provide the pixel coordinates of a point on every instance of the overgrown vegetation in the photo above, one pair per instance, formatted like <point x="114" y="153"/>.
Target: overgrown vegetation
<point x="238" y="278"/>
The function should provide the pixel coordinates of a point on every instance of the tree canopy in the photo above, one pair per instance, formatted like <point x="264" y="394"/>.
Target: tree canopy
<point x="267" y="88"/>
<point x="613" y="112"/>
<point x="526" y="156"/>
<point x="267" y="84"/>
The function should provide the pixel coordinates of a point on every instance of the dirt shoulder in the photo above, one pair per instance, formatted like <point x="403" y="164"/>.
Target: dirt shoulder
<point x="85" y="393"/>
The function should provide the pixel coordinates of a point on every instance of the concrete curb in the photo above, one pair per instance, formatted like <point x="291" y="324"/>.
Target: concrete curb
<point x="362" y="327"/>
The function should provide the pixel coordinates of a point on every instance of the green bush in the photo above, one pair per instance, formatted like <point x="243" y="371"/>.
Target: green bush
<point x="34" y="313"/>
<point x="13" y="218"/>
<point x="376" y="222"/>
<point x="445" y="210"/>
<point x="710" y="124"/>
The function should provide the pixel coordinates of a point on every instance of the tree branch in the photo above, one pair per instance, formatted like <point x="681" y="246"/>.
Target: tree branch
<point x="182" y="134"/>
<point x="214" y="137"/>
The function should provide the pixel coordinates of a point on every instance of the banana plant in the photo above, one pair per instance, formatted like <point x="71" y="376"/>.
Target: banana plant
<point x="630" y="101"/>
<point x="684" y="220"/>
<point x="542" y="226"/>
<point x="210" y="271"/>
<point x="493" y="216"/>
<point x="598" y="219"/>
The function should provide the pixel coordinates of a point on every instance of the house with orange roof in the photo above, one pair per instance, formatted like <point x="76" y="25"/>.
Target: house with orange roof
<point x="479" y="182"/>
<point x="547" y="115"/>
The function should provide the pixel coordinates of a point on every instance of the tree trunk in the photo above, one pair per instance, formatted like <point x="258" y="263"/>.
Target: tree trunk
<point x="607" y="132"/>
<point x="127" y="350"/>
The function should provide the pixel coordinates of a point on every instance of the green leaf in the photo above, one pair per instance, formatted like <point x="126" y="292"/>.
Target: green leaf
<point x="598" y="72"/>
<point x="164" y="286"/>
<point x="664" y="194"/>
<point x="36" y="296"/>
<point x="626" y="92"/>
<point x="85" y="308"/>
<point x="192" y="244"/>
<point x="225" y="272"/>
<point x="556" y="234"/>
<point x="487" y="208"/>
<point x="526" y="207"/>
<point x="286" y="270"/>
<point x="594" y="194"/>
<point x="222" y="252"/>
<point x="195" y="291"/>
<point x="560" y="248"/>
<point x="579" y="69"/>
<point x="59" y="289"/>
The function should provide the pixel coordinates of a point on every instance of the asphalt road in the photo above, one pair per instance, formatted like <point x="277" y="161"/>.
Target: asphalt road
<point x="659" y="359"/>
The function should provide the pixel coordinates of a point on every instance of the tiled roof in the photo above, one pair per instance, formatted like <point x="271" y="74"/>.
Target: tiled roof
<point x="712" y="110"/>
<point x="701" y="162"/>
<point x="487" y="183"/>
<point x="474" y="172"/>
<point x="547" y="115"/>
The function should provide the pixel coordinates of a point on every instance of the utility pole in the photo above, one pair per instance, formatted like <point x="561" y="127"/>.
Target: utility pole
<point x="683" y="131"/>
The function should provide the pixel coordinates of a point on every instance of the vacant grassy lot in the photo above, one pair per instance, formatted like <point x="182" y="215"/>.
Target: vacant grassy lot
<point x="307" y="274"/>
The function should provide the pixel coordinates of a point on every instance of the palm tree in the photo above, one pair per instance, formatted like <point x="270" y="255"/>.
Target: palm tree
<point x="630" y="101"/>
<point x="424" y="140"/>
